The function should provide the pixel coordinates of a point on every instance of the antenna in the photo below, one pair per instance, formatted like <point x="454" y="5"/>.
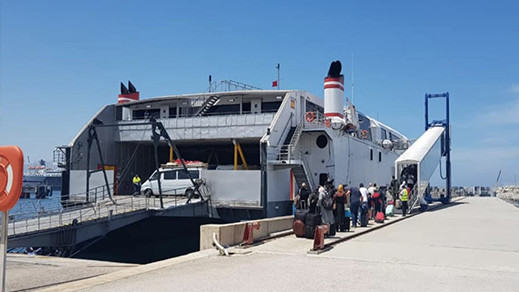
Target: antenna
<point x="351" y="77"/>
<point x="277" y="67"/>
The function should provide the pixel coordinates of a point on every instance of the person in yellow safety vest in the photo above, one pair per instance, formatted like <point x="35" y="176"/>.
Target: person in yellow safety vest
<point x="136" y="185"/>
<point x="404" y="197"/>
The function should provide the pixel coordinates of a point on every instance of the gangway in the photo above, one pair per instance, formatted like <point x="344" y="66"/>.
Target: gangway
<point x="422" y="158"/>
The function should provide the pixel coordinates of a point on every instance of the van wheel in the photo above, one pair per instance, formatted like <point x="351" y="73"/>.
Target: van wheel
<point x="148" y="193"/>
<point x="189" y="193"/>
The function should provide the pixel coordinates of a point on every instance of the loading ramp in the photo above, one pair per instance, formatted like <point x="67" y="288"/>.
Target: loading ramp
<point x="424" y="155"/>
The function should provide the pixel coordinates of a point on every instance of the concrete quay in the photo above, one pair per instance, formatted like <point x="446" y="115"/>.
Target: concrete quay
<point x="470" y="245"/>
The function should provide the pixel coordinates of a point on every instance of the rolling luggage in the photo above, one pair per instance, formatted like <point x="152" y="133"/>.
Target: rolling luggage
<point x="309" y="232"/>
<point x="390" y="210"/>
<point x="346" y="225"/>
<point x="299" y="228"/>
<point x="300" y="214"/>
<point x="379" y="217"/>
<point x="364" y="215"/>
<point x="398" y="204"/>
<point x="311" y="221"/>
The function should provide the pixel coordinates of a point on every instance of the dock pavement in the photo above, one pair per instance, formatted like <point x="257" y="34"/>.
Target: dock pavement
<point x="470" y="245"/>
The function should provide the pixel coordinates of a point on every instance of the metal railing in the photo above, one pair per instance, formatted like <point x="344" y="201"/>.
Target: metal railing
<point x="30" y="220"/>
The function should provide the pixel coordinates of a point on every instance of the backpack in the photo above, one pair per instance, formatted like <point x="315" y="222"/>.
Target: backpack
<point x="327" y="202"/>
<point x="375" y="196"/>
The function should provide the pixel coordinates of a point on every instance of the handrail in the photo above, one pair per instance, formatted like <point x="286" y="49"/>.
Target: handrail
<point x="42" y="219"/>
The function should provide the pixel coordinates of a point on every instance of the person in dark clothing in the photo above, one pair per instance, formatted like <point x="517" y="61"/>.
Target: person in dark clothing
<point x="340" y="202"/>
<point x="355" y="200"/>
<point x="304" y="193"/>
<point x="313" y="198"/>
<point x="395" y="185"/>
<point x="301" y="200"/>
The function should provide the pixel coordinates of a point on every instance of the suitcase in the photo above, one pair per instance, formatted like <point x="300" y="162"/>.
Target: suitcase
<point x="346" y="226"/>
<point x="398" y="204"/>
<point x="299" y="228"/>
<point x="309" y="231"/>
<point x="300" y="214"/>
<point x="364" y="216"/>
<point x="379" y="217"/>
<point x="390" y="210"/>
<point x="312" y="219"/>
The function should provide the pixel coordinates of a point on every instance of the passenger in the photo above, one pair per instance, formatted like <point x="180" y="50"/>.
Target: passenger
<point x="301" y="199"/>
<point x="404" y="197"/>
<point x="326" y="204"/>
<point x="312" y="201"/>
<point x="394" y="186"/>
<point x="371" y="201"/>
<point x="355" y="201"/>
<point x="364" y="207"/>
<point x="410" y="181"/>
<point x="136" y="185"/>
<point x="304" y="193"/>
<point x="377" y="201"/>
<point x="340" y="203"/>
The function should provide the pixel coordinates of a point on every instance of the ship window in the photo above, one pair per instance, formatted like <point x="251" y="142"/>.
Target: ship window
<point x="380" y="157"/>
<point x="370" y="154"/>
<point x="270" y="107"/>
<point x="383" y="134"/>
<point x="321" y="141"/>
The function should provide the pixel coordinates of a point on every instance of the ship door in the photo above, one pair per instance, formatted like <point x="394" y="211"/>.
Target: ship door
<point x="323" y="177"/>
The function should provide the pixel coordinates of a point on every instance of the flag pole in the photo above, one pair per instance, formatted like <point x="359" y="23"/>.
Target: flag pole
<point x="277" y="67"/>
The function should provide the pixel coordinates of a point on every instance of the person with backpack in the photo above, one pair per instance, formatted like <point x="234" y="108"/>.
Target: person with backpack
<point x="326" y="204"/>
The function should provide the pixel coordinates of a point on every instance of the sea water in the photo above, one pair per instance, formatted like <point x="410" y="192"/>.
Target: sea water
<point x="146" y="241"/>
<point x="31" y="207"/>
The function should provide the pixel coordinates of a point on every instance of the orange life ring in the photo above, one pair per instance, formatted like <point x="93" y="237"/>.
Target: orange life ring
<point x="364" y="134"/>
<point x="11" y="176"/>
<point x="310" y="117"/>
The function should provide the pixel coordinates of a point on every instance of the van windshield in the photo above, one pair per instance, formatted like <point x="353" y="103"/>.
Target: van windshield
<point x="154" y="176"/>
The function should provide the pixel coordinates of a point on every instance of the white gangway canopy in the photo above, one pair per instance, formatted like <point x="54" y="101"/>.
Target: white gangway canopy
<point x="419" y="149"/>
<point x="425" y="153"/>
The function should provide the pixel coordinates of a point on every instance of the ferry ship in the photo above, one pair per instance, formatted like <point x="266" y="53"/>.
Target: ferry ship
<point x="259" y="145"/>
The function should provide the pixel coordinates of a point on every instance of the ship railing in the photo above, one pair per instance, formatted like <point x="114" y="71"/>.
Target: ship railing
<point x="36" y="217"/>
<point x="318" y="121"/>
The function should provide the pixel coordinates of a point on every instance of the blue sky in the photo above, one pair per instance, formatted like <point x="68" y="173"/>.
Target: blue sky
<point x="61" y="61"/>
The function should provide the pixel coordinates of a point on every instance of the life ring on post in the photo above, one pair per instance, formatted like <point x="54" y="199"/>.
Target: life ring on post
<point x="11" y="176"/>
<point x="364" y="134"/>
<point x="310" y="117"/>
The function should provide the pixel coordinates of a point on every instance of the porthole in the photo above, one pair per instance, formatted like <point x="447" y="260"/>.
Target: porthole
<point x="322" y="141"/>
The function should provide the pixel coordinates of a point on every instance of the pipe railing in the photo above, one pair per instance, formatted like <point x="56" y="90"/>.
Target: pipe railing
<point x="32" y="221"/>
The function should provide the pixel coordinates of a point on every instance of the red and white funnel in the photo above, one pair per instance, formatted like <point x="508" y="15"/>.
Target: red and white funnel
<point x="128" y="94"/>
<point x="334" y="92"/>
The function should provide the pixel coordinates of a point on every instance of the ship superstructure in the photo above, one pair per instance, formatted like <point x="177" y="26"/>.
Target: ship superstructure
<point x="259" y="145"/>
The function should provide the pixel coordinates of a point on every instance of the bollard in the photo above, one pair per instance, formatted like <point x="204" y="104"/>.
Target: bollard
<point x="320" y="231"/>
<point x="248" y="237"/>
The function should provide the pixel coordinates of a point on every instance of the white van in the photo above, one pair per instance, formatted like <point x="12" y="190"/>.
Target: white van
<point x="173" y="181"/>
